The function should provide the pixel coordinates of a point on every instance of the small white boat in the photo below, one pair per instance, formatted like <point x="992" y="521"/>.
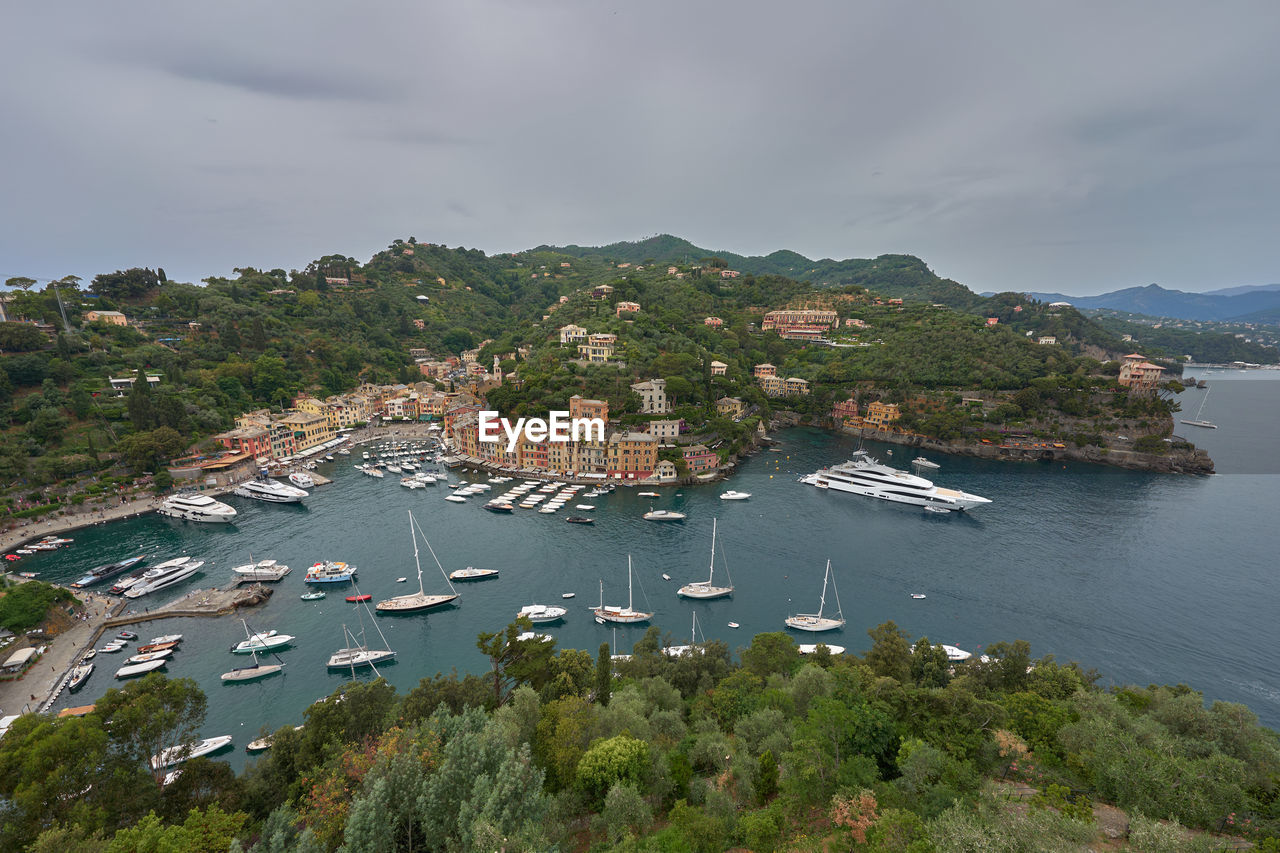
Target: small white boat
<point x="177" y="754"/>
<point x="164" y="638"/>
<point x="401" y="580"/>
<point x="584" y="507"/>
<point x="955" y="654"/>
<point x="648" y="494"/>
<point x="734" y="625"/>
<point x="471" y="573"/>
<point x="666" y="577"/>
<point x="542" y="614"/>
<point x="921" y="462"/>
<point x="734" y="496"/>
<point x="79" y="675"/>
<point x="262" y="642"/>
<point x="150" y="656"/>
<point x="302" y="480"/>
<point x="457" y="499"/>
<point x="917" y="595"/>
<point x="664" y="515"/>
<point x="567" y="594"/>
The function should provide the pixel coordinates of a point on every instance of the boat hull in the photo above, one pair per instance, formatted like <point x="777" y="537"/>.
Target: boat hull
<point x="704" y="591"/>
<point x="814" y="624"/>
<point x="252" y="673"/>
<point x="413" y="603"/>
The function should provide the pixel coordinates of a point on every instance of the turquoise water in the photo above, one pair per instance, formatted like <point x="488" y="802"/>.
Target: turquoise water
<point x="1146" y="578"/>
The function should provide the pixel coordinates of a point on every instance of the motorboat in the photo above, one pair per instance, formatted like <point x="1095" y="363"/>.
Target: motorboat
<point x="263" y="488"/>
<point x="165" y="638"/>
<point x="499" y="506"/>
<point x="178" y="754"/>
<point x="922" y="462"/>
<point x="79" y="675"/>
<point x="664" y="515"/>
<point x="110" y="570"/>
<point x="567" y="594"/>
<point x="150" y="656"/>
<point x="156" y="647"/>
<point x="626" y="615"/>
<point x="471" y="573"/>
<point x="262" y="570"/>
<point x="330" y="571"/>
<point x="648" y="495"/>
<point x="312" y="596"/>
<point x="415" y="602"/>
<point x="134" y="669"/>
<point x="359" y="598"/>
<point x="157" y="579"/>
<point x="191" y="506"/>
<point x="584" y="507"/>
<point x="956" y="654"/>
<point x="731" y="495"/>
<point x="542" y="614"/>
<point x="815" y="622"/>
<point x="580" y="519"/>
<point x="707" y="588"/>
<point x="863" y="475"/>
<point x="917" y="595"/>
<point x="127" y="636"/>
<point x="263" y="641"/>
<point x="457" y="499"/>
<point x="302" y="480"/>
<point x="735" y="625"/>
<point x="130" y="580"/>
<point x="111" y="647"/>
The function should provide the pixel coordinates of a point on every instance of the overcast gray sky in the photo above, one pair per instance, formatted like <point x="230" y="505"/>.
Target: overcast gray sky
<point x="1078" y="147"/>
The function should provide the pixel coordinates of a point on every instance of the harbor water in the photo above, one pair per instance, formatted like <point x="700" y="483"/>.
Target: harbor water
<point x="1147" y="578"/>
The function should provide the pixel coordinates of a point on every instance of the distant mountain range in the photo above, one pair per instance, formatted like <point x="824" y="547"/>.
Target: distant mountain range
<point x="1255" y="303"/>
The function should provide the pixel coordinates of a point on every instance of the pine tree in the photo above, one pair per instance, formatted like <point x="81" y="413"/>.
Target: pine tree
<point x="604" y="674"/>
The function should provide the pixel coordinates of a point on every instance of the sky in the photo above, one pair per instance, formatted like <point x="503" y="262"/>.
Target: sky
<point x="1070" y="147"/>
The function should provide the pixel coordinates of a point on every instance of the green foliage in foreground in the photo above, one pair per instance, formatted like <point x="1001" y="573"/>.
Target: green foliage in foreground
<point x="887" y="752"/>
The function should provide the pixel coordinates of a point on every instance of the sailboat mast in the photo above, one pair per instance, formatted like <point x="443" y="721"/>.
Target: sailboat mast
<point x="629" y="606"/>
<point x="822" y="602"/>
<point x="712" y="575"/>
<point x="416" y="561"/>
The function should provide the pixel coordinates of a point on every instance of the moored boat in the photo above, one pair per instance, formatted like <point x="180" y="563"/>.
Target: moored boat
<point x="471" y="573"/>
<point x="415" y="602"/>
<point x="191" y="506"/>
<point x="542" y="614"/>
<point x="110" y="570"/>
<point x="664" y="515"/>
<point x="330" y="571"/>
<point x="626" y="615"/>
<point x="178" y="754"/>
<point x="79" y="675"/>
<point x="814" y="622"/>
<point x="132" y="669"/>
<point x="156" y="579"/>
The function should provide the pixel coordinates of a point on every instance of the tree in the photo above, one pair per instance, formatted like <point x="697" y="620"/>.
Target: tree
<point x="141" y="411"/>
<point x="125" y="284"/>
<point x="604" y="674"/>
<point x="151" y="715"/>
<point x="457" y="340"/>
<point x="618" y="760"/>
<point x="516" y="661"/>
<point x="20" y="337"/>
<point x="771" y="652"/>
<point x="890" y="653"/>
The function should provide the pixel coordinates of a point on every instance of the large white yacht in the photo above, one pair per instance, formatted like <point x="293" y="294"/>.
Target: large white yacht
<point x="864" y="475"/>
<point x="162" y="576"/>
<point x="196" y="507"/>
<point x="264" y="488"/>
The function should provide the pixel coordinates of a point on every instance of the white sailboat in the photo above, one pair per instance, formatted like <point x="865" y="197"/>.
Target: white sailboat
<point x="706" y="589"/>
<point x="1198" y="421"/>
<point x="358" y="655"/>
<point x="815" y="622"/>
<point x="415" y="602"/>
<point x="257" y="670"/>
<point x="626" y="615"/>
<point x="677" y="651"/>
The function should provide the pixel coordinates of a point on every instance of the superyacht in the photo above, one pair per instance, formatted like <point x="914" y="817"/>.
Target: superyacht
<point x="864" y="475"/>
<point x="196" y="507"/>
<point x="264" y="488"/>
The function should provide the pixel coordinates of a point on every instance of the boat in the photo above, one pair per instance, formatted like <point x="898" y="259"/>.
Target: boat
<point x="191" y="506"/>
<point x="734" y="625"/>
<point x="626" y="615"/>
<point x="815" y="622"/>
<point x="112" y="647"/>
<point x="312" y="596"/>
<point x="263" y="641"/>
<point x="921" y="462"/>
<point x="358" y="655"/>
<point x="89" y="655"/>
<point x="263" y="488"/>
<point x="648" y="495"/>
<point x="955" y="654"/>
<point x="28" y="575"/>
<point x="166" y="638"/>
<point x="401" y="580"/>
<point x="79" y="675"/>
<point x="358" y="598"/>
<point x="262" y="744"/>
<point x="457" y="499"/>
<point x="666" y="577"/>
<point x="178" y="754"/>
<point x="917" y="595"/>
<point x="471" y="573"/>
<point x="542" y="614"/>
<point x="131" y="579"/>
<point x="499" y="506"/>
<point x="150" y="656"/>
<point x="938" y="510"/>
<point x="1198" y="421"/>
<point x="256" y="670"/>
<point x="262" y="570"/>
<point x="731" y="495"/>
<point x="132" y="669"/>
<point x="156" y="647"/>
<point x="707" y="588"/>
<point x="415" y="602"/>
<point x="157" y="579"/>
<point x="693" y="646"/>
<point x="567" y="594"/>
<point x="330" y="571"/>
<point x="302" y="480"/>
<point x="126" y="635"/>
<point x="812" y="648"/>
<point x="580" y="519"/>
<point x="412" y="483"/>
<point x="110" y="570"/>
<point x="863" y="475"/>
<point x="584" y="507"/>
<point x="664" y="515"/>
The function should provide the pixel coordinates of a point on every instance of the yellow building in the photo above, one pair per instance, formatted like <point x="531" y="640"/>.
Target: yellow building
<point x="309" y="430"/>
<point x="598" y="348"/>
<point x="880" y="415"/>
